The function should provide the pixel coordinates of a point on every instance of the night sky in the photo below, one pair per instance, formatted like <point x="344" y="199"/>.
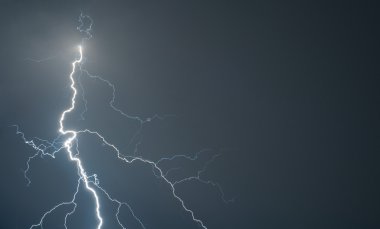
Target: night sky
<point x="287" y="92"/>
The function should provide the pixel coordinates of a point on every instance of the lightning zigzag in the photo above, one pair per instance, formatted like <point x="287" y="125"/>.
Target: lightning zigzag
<point x="68" y="141"/>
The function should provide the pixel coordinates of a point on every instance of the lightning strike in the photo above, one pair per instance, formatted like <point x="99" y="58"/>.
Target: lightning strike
<point x="68" y="141"/>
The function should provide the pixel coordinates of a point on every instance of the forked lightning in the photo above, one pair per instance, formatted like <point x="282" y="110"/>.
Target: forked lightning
<point x="68" y="141"/>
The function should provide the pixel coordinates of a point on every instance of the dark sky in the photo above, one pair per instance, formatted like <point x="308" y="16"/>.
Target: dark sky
<point x="286" y="91"/>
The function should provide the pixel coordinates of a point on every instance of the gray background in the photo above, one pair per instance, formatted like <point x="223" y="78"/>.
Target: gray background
<point x="286" y="91"/>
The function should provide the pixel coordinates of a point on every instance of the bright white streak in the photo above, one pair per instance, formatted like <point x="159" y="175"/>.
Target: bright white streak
<point x="68" y="142"/>
<point x="72" y="140"/>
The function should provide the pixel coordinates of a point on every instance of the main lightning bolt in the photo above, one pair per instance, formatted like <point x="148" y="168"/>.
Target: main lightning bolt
<point x="68" y="141"/>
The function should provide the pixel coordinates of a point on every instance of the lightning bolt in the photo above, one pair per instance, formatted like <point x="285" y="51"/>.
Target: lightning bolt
<point x="67" y="141"/>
